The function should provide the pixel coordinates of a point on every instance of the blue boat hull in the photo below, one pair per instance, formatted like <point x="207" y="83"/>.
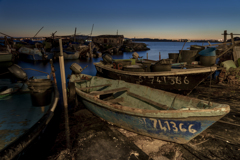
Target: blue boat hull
<point x="176" y="130"/>
<point x="21" y="123"/>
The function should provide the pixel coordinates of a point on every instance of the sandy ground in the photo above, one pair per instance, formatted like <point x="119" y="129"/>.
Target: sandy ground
<point x="92" y="138"/>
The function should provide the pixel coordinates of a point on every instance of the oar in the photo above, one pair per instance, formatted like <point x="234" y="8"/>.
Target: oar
<point x="64" y="91"/>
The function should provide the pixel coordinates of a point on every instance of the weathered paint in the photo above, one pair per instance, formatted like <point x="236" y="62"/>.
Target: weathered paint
<point x="190" y="117"/>
<point x="177" y="79"/>
<point x="17" y="113"/>
<point x="180" y="131"/>
<point x="20" y="122"/>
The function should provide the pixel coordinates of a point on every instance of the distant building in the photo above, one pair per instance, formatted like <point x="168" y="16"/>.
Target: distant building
<point x="109" y="39"/>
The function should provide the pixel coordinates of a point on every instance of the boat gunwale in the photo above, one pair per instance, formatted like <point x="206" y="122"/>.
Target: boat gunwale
<point x="17" y="146"/>
<point x="164" y="73"/>
<point x="223" y="108"/>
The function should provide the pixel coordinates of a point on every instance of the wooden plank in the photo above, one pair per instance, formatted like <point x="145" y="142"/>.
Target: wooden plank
<point x="94" y="93"/>
<point x="116" y="100"/>
<point x="104" y="85"/>
<point x="80" y="80"/>
<point x="161" y="106"/>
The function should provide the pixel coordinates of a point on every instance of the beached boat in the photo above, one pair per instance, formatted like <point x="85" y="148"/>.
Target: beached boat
<point x="174" y="80"/>
<point x="26" y="109"/>
<point x="34" y="54"/>
<point x="144" y="110"/>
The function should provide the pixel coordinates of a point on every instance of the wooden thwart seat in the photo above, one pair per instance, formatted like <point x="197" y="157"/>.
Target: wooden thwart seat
<point x="97" y="93"/>
<point x="161" y="106"/>
<point x="116" y="100"/>
<point x="104" y="85"/>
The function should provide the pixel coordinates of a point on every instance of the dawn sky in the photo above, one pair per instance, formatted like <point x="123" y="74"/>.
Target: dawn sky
<point x="170" y="19"/>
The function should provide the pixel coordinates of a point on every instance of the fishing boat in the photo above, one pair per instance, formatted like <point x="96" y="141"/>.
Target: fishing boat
<point x="173" y="80"/>
<point x="67" y="54"/>
<point x="34" y="54"/>
<point x="6" y="58"/>
<point x="71" y="54"/>
<point x="145" y="110"/>
<point x="27" y="106"/>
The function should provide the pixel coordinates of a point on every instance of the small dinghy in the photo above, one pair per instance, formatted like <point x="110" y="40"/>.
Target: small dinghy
<point x="144" y="110"/>
<point x="27" y="107"/>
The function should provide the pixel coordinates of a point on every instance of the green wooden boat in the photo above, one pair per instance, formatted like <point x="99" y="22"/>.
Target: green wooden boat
<point x="26" y="109"/>
<point x="144" y="110"/>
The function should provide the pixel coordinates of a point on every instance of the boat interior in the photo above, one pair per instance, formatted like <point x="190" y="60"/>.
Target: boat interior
<point x="175" y="68"/>
<point x="136" y="96"/>
<point x="17" y="113"/>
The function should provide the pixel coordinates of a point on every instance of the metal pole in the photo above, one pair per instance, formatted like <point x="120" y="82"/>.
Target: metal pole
<point x="5" y="34"/>
<point x="75" y="35"/>
<point x="64" y="91"/>
<point x="90" y="48"/>
<point x="38" y="32"/>
<point x="147" y="55"/>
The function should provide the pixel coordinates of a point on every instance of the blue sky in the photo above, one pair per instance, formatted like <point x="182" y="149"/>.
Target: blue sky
<point x="170" y="19"/>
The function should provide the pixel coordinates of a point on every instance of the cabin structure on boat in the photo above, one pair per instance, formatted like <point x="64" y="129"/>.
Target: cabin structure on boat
<point x="109" y="39"/>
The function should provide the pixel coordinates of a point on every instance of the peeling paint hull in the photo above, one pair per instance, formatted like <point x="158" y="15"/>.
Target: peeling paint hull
<point x="21" y="123"/>
<point x="146" y="126"/>
<point x="167" y="80"/>
<point x="187" y="118"/>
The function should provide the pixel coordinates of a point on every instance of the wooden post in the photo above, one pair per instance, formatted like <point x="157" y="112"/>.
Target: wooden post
<point x="232" y="39"/>
<point x="225" y="36"/>
<point x="64" y="91"/>
<point x="159" y="56"/>
<point x="234" y="53"/>
<point x="90" y="51"/>
<point x="53" y="72"/>
<point x="147" y="55"/>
